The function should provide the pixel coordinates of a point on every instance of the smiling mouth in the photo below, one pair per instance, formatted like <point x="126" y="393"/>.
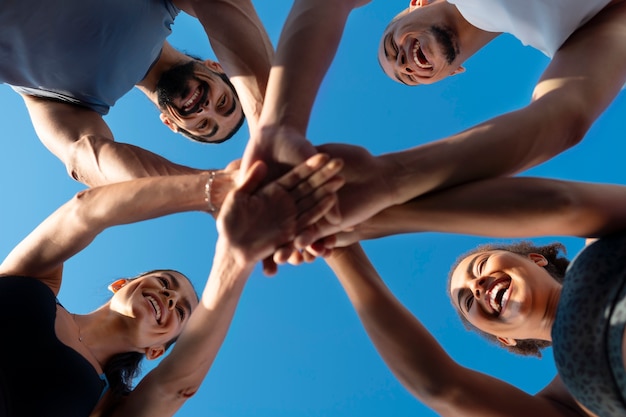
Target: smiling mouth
<point x="419" y="58"/>
<point x="155" y="306"/>
<point x="192" y="105"/>
<point x="498" y="295"/>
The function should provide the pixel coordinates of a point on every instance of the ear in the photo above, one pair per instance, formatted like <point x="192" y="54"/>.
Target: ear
<point x="414" y="4"/>
<point x="538" y="259"/>
<point x="507" y="341"/>
<point x="117" y="285"/>
<point x="459" y="70"/>
<point x="154" y="352"/>
<point x="167" y="122"/>
<point x="214" y="65"/>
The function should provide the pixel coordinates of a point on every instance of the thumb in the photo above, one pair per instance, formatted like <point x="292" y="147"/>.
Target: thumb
<point x="253" y="177"/>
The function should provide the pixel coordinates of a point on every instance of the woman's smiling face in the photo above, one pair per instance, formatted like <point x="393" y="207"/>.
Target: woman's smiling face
<point x="503" y="293"/>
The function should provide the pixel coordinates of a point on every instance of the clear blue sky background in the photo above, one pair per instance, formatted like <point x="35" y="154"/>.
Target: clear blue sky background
<point x="296" y="347"/>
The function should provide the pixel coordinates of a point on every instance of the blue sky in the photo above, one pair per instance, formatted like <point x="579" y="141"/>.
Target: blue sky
<point x="296" y="347"/>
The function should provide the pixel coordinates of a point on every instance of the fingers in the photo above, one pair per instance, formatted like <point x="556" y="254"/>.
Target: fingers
<point x="269" y="267"/>
<point x="253" y="177"/>
<point x="310" y="175"/>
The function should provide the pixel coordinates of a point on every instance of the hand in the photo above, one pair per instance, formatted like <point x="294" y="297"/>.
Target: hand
<point x="257" y="220"/>
<point x="280" y="148"/>
<point x="365" y="193"/>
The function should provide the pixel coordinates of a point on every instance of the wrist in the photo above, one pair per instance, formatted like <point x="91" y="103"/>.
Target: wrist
<point x="218" y="183"/>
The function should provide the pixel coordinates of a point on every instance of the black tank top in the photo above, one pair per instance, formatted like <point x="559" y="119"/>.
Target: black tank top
<point x="39" y="375"/>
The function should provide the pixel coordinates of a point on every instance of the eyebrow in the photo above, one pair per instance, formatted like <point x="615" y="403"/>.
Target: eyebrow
<point x="469" y="271"/>
<point x="176" y="286"/>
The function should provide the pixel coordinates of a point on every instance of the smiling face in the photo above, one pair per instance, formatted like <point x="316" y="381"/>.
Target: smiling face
<point x="505" y="294"/>
<point x="156" y="306"/>
<point x="197" y="100"/>
<point x="419" y="46"/>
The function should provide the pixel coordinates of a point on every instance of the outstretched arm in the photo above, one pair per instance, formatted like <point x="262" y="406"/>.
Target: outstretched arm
<point x="81" y="139"/>
<point x="306" y="48"/>
<point x="420" y="363"/>
<point x="75" y="224"/>
<point x="571" y="94"/>
<point x="251" y="225"/>
<point x="505" y="207"/>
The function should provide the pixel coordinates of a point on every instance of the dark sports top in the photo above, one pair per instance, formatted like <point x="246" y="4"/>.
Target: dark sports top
<point x="588" y="328"/>
<point x="39" y="375"/>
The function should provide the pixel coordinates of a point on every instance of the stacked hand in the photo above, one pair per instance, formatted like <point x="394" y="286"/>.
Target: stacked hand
<point x="257" y="220"/>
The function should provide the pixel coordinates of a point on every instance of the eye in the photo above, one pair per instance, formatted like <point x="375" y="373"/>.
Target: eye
<point x="181" y="312"/>
<point x="222" y="102"/>
<point x="468" y="302"/>
<point x="164" y="282"/>
<point x="203" y="124"/>
<point x="481" y="265"/>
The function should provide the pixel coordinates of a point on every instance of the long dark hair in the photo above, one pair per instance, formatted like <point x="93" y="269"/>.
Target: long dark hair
<point x="556" y="267"/>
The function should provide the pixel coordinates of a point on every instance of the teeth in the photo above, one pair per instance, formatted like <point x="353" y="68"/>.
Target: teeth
<point x="156" y="307"/>
<point x="416" y="57"/>
<point x="193" y="98"/>
<point x="495" y="301"/>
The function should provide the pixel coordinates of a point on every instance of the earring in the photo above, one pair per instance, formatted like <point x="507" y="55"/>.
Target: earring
<point x="117" y="285"/>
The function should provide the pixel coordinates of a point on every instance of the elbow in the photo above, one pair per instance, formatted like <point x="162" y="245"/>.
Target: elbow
<point x="565" y="115"/>
<point x="82" y="160"/>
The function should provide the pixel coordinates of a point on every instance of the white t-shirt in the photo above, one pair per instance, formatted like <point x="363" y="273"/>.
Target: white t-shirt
<point x="542" y="24"/>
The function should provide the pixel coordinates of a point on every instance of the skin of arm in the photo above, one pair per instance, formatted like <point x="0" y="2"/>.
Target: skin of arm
<point x="75" y="224"/>
<point x="81" y="139"/>
<point x="241" y="45"/>
<point x="307" y="45"/>
<point x="571" y="93"/>
<point x="250" y="228"/>
<point x="505" y="208"/>
<point x="420" y="363"/>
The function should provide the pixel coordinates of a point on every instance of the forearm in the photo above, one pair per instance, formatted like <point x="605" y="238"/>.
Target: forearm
<point x="411" y="353"/>
<point x="503" y="146"/>
<point x="505" y="208"/>
<point x="306" y="48"/>
<point x="571" y="94"/>
<point x="75" y="224"/>
<point x="96" y="161"/>
<point x="165" y="389"/>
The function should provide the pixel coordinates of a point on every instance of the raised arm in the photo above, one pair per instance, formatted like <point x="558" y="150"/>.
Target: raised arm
<point x="505" y="207"/>
<point x="241" y="45"/>
<point x="420" y="363"/>
<point x="251" y="226"/>
<point x="570" y="95"/>
<point x="75" y="224"/>
<point x="306" y="48"/>
<point x="81" y="139"/>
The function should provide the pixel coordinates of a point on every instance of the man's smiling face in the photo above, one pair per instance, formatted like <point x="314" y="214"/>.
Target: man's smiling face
<point x="198" y="101"/>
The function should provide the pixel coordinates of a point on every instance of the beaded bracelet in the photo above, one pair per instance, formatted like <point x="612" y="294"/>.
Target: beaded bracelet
<point x="207" y="192"/>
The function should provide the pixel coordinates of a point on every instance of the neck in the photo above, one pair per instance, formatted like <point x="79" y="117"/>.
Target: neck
<point x="471" y="39"/>
<point x="103" y="333"/>
<point x="169" y="58"/>
<point x="550" y="313"/>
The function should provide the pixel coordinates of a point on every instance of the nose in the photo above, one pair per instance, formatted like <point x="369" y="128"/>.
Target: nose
<point x="477" y="286"/>
<point x="401" y="62"/>
<point x="171" y="298"/>
<point x="204" y="107"/>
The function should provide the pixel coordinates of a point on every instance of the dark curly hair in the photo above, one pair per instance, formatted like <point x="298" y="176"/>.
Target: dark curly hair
<point x="556" y="267"/>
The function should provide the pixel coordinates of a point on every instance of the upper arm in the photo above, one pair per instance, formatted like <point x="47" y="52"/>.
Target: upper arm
<point x="59" y="125"/>
<point x="574" y="76"/>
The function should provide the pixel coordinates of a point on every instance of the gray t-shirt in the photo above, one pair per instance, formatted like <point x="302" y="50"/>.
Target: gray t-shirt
<point x="86" y="52"/>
